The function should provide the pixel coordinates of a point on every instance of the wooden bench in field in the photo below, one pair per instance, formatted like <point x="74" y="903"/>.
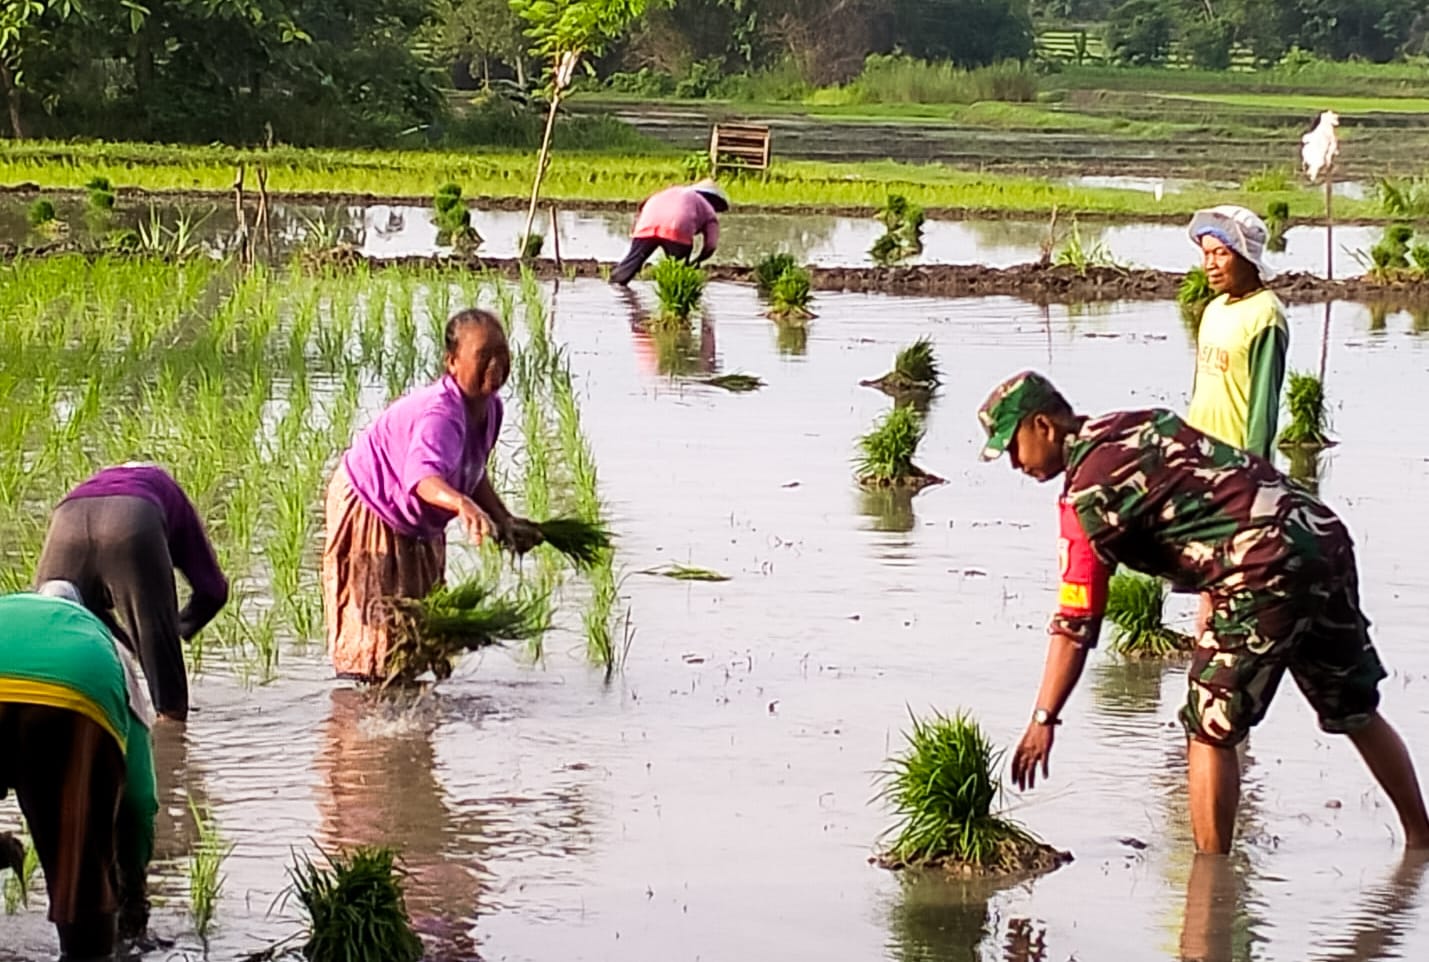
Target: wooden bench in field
<point x="739" y="145"/>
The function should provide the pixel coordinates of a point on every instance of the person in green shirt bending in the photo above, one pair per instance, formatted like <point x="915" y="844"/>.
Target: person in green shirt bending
<point x="1243" y="337"/>
<point x="74" y="723"/>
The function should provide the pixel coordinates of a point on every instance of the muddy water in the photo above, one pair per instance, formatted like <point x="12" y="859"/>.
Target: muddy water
<point x="713" y="802"/>
<point x="825" y="240"/>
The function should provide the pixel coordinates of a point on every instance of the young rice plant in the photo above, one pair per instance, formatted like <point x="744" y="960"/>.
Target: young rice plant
<point x="428" y="634"/>
<point x="205" y="868"/>
<point x="1309" y="422"/>
<point x="1134" y="608"/>
<point x="679" y="286"/>
<point x="790" y="295"/>
<point x="886" y="453"/>
<point x="942" y="788"/>
<point x="770" y="269"/>
<point x="355" y="906"/>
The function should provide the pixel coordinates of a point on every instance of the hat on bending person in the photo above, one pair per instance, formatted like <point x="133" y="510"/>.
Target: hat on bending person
<point x="58" y="588"/>
<point x="713" y="193"/>
<point x="1011" y="401"/>
<point x="1239" y="228"/>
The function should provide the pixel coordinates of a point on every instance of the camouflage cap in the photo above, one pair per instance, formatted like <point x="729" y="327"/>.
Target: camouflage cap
<point x="1010" y="402"/>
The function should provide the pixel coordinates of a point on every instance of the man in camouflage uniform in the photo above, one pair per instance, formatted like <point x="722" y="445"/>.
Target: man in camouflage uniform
<point x="1146" y="490"/>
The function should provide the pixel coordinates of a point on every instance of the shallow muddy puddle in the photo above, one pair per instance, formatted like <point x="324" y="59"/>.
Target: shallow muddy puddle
<point x="712" y="802"/>
<point x="825" y="240"/>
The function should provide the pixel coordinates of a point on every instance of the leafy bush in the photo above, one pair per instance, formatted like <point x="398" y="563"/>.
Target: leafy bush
<point x="644" y="82"/>
<point x="898" y="79"/>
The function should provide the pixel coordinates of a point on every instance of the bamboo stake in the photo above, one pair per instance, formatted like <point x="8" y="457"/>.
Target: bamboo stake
<point x="556" y="238"/>
<point x="241" y="218"/>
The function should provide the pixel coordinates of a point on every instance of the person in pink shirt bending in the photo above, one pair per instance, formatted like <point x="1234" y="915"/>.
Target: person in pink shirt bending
<point x="419" y="465"/>
<point x="669" y="221"/>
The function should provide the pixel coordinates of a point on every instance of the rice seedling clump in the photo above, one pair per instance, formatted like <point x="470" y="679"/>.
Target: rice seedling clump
<point x="101" y="193"/>
<point x="1134" y="608"/>
<point x="679" y="286"/>
<point x="428" y="634"/>
<point x="356" y="908"/>
<point x="915" y="369"/>
<point x="1309" y="422"/>
<point x="886" y="453"/>
<point x="943" y="788"/>
<point x="734" y="383"/>
<point x="770" y="269"/>
<point x="902" y="231"/>
<point x="790" y="296"/>
<point x="532" y="246"/>
<point x="1277" y="221"/>
<point x="41" y="212"/>
<point x="453" y="219"/>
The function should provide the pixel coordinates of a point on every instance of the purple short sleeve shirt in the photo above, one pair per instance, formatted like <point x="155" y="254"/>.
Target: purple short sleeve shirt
<point x="419" y="436"/>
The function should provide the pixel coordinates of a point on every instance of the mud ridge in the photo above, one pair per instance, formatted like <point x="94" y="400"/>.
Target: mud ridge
<point x="1038" y="283"/>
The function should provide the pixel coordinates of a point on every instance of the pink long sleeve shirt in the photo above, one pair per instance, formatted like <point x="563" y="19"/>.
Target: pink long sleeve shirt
<point x="677" y="214"/>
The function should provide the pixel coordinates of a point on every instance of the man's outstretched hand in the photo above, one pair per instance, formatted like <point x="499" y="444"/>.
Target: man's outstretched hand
<point x="1034" y="749"/>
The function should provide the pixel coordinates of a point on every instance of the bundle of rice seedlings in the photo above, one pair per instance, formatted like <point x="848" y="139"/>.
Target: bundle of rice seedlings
<point x="41" y="212"/>
<point x="903" y="231"/>
<point x="1195" y="287"/>
<point x="1277" y="219"/>
<point x="584" y="542"/>
<point x="429" y="634"/>
<point x="533" y="245"/>
<point x="886" y="453"/>
<point x="1389" y="258"/>
<point x="678" y="572"/>
<point x="355" y="906"/>
<point x="790" y="296"/>
<point x="101" y="193"/>
<point x="453" y="219"/>
<point x="915" y="369"/>
<point x="1309" y="421"/>
<point x="679" y="286"/>
<point x="735" y="383"/>
<point x="770" y="269"/>
<point x="943" y="787"/>
<point x="1134" y="609"/>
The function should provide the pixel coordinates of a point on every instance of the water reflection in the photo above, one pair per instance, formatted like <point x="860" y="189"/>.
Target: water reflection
<point x="1216" y="927"/>
<point x="671" y="349"/>
<point x="890" y="508"/>
<point x="1126" y="687"/>
<point x="937" y="920"/>
<point x="1305" y="466"/>
<point x="791" y="338"/>
<point x="1386" y="914"/>
<point x="376" y="773"/>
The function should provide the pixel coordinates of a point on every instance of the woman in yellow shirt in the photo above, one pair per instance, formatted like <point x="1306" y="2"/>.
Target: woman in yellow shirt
<point x="1241" y="344"/>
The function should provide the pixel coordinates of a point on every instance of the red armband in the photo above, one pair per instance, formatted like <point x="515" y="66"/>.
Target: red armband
<point x="1084" y="575"/>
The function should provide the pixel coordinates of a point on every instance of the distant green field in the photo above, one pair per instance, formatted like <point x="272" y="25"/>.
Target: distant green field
<point x="1311" y="103"/>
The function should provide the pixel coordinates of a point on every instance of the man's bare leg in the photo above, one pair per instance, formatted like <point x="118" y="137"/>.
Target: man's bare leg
<point x="1214" y="773"/>
<point x="1389" y="762"/>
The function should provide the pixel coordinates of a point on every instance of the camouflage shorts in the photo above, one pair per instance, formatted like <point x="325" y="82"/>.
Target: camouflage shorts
<point x="1312" y="626"/>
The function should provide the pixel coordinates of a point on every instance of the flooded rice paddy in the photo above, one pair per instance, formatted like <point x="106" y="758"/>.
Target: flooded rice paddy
<point x="825" y="240"/>
<point x="712" y="801"/>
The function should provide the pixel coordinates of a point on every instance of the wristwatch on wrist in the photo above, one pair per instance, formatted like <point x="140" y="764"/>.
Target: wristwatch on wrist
<point x="1043" y="717"/>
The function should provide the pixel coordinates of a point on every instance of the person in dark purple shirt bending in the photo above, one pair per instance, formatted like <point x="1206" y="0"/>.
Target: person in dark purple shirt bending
<point x="118" y="537"/>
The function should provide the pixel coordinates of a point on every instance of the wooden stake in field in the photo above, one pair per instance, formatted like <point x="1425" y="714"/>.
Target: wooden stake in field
<point x="1318" y="149"/>
<point x="565" y="70"/>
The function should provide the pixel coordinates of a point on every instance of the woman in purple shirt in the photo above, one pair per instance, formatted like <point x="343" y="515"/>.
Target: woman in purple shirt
<point x="118" y="538"/>
<point x="418" y="466"/>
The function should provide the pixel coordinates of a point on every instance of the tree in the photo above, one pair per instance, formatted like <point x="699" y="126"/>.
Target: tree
<point x="562" y="32"/>
<point x="1208" y="42"/>
<point x="970" y="33"/>
<point x="479" y="32"/>
<point x="1140" y="32"/>
<point x="20" y="33"/>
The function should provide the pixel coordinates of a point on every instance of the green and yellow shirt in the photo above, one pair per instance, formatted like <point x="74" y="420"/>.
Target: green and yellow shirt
<point x="56" y="653"/>
<point x="1240" y="367"/>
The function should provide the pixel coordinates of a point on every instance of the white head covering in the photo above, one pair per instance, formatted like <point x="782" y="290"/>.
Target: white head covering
<point x="710" y="189"/>
<point x="1239" y="228"/>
